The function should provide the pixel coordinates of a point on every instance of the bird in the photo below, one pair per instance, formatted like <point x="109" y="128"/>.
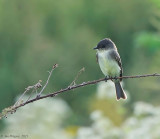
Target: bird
<point x="110" y="64"/>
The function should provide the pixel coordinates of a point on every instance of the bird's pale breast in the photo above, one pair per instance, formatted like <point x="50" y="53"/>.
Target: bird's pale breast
<point x="108" y="66"/>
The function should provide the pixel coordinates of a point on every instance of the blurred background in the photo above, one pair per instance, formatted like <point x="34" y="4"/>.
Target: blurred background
<point x="36" y="34"/>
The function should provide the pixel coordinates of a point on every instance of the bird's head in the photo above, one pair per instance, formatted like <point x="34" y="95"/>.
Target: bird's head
<point x="105" y="44"/>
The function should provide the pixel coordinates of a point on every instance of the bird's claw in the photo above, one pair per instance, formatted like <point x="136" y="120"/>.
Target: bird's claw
<point x="106" y="78"/>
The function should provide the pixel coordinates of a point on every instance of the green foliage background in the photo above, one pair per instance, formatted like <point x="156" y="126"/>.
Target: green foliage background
<point x="35" y="34"/>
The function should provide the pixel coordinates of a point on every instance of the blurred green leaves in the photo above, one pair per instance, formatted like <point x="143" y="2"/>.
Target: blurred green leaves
<point x="148" y="41"/>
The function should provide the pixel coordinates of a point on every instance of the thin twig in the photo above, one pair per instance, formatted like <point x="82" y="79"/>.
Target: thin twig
<point x="50" y="73"/>
<point x="34" y="87"/>
<point x="31" y="94"/>
<point x="21" y="96"/>
<point x="78" y="74"/>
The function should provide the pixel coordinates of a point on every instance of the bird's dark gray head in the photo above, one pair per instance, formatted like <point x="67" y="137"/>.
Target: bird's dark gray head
<point x="105" y="44"/>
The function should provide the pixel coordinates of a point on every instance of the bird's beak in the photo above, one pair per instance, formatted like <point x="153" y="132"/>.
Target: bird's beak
<point x="95" y="48"/>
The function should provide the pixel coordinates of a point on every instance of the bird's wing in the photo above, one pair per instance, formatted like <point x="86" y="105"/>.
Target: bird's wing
<point x="114" y="54"/>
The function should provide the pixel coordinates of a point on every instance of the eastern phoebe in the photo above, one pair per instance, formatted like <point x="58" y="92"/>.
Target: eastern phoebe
<point x="110" y="64"/>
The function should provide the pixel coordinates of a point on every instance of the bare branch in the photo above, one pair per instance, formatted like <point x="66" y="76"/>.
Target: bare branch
<point x="85" y="84"/>
<point x="13" y="108"/>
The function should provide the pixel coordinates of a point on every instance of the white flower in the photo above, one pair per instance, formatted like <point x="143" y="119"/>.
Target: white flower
<point x="106" y="90"/>
<point x="130" y="123"/>
<point x="142" y="108"/>
<point x="39" y="120"/>
<point x="86" y="133"/>
<point x="96" y="115"/>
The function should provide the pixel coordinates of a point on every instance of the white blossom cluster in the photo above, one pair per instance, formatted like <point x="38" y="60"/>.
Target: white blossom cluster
<point x="143" y="124"/>
<point x="45" y="118"/>
<point x="40" y="120"/>
<point x="101" y="128"/>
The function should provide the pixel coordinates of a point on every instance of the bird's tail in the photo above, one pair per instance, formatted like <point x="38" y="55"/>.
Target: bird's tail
<point x="119" y="91"/>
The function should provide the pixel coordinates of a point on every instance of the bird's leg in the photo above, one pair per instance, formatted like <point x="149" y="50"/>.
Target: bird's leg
<point x="106" y="78"/>
<point x="111" y="78"/>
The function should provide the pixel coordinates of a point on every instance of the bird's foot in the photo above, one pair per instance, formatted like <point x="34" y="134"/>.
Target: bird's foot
<point x="106" y="78"/>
